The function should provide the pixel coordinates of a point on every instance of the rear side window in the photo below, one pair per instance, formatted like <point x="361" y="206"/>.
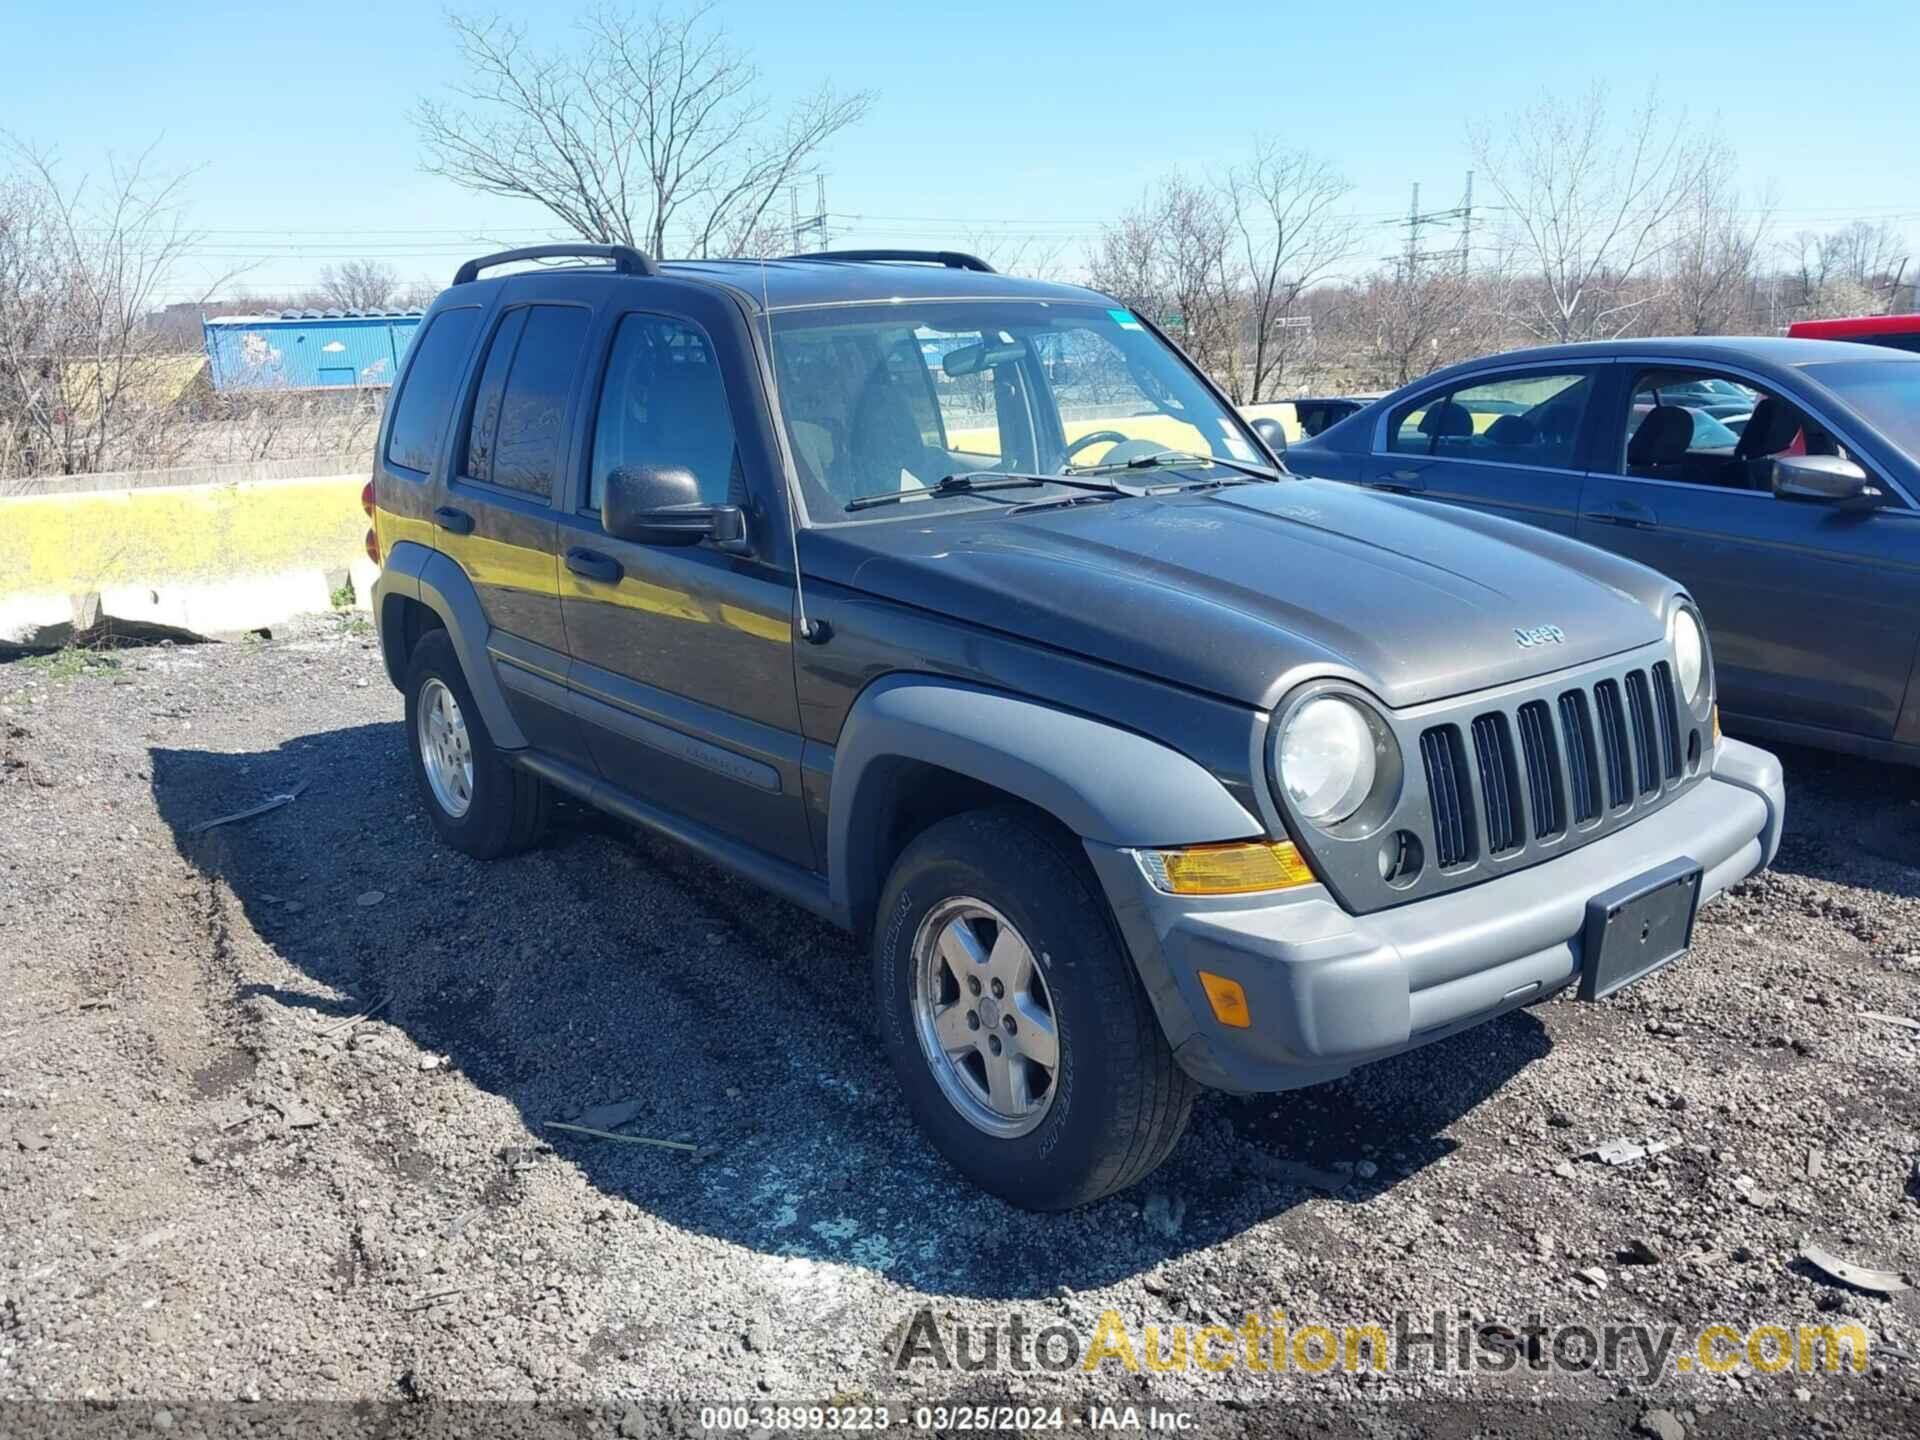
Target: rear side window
<point x="518" y="436"/>
<point x="663" y="403"/>
<point x="1523" y="420"/>
<point x="421" y="411"/>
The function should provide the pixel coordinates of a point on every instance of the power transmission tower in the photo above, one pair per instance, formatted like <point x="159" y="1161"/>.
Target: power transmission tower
<point x="814" y="225"/>
<point x="1417" y="220"/>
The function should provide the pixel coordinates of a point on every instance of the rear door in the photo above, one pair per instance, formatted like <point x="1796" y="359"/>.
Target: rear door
<point x="683" y="655"/>
<point x="1811" y="608"/>
<point x="497" y="518"/>
<point x="1511" y="444"/>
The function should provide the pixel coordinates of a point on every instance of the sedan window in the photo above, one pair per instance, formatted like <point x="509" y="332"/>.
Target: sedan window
<point x="1515" y="420"/>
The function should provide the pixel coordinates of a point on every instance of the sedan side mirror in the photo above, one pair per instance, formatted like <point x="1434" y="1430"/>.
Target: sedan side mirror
<point x="1824" y="479"/>
<point x="661" y="505"/>
<point x="1273" y="433"/>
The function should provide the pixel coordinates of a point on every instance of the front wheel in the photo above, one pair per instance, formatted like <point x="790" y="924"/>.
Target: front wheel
<point x="1025" y="1044"/>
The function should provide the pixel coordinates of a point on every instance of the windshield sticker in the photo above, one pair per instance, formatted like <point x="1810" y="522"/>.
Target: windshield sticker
<point x="1239" y="448"/>
<point x="1124" y="319"/>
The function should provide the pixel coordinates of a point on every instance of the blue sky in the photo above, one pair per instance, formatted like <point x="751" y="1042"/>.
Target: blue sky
<point x="1022" y="118"/>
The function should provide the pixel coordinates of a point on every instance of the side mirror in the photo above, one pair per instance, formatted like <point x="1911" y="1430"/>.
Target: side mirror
<point x="1825" y="479"/>
<point x="661" y="505"/>
<point x="1273" y="432"/>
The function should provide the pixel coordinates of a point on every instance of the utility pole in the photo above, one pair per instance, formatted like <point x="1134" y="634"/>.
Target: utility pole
<point x="1466" y="228"/>
<point x="1414" y="218"/>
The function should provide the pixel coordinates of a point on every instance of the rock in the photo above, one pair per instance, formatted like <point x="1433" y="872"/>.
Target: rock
<point x="432" y="1062"/>
<point x="1802" y="1394"/>
<point x="163" y="1419"/>
<point x="1662" y="1425"/>
<point x="369" y="898"/>
<point x="1638" y="1252"/>
<point x="1565" y="1170"/>
<point x="1816" y="1163"/>
<point x="1560" y="1120"/>
<point x="1594" y="1276"/>
<point x="1162" y="1214"/>
<point x="611" y="1116"/>
<point x="201" y="1155"/>
<point x="633" y="1424"/>
<point x="758" y="1336"/>
<point x="1366" y="1169"/>
<point x="1154" y="1284"/>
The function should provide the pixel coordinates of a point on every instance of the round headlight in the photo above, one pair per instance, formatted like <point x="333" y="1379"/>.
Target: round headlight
<point x="1327" y="759"/>
<point x="1689" y="657"/>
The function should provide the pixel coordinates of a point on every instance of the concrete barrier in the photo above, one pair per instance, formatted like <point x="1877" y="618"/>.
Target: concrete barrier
<point x="212" y="559"/>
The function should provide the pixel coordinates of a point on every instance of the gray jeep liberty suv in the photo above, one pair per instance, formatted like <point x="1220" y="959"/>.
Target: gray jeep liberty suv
<point x="965" y="611"/>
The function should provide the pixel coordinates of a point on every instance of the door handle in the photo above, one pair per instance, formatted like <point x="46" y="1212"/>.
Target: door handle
<point x="1401" y="482"/>
<point x="592" y="565"/>
<point x="457" y="522"/>
<point x="1624" y="514"/>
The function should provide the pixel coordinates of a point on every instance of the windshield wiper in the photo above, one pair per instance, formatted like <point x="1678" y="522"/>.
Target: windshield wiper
<point x="1177" y="458"/>
<point x="975" y="482"/>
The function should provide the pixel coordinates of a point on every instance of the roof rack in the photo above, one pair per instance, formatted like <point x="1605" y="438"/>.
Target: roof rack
<point x="626" y="260"/>
<point x="952" y="259"/>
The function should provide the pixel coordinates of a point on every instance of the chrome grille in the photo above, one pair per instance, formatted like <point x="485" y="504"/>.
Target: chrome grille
<point x="1449" y="795"/>
<point x="1542" y="758"/>
<point x="1669" y="710"/>
<point x="1613" y="743"/>
<point x="1646" y="763"/>
<point x="1583" y="778"/>
<point x="1505" y="778"/>
<point x="1499" y="783"/>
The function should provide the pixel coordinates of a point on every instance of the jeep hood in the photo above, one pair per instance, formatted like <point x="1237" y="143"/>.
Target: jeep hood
<point x="1245" y="591"/>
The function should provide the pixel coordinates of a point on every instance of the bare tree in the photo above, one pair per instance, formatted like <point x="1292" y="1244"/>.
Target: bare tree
<point x="1711" y="263"/>
<point x="653" y="131"/>
<point x="1172" y="258"/>
<point x="1289" y="238"/>
<point x="1863" y="252"/>
<point x="84" y="375"/>
<point x="358" y="285"/>
<point x="1587" y="205"/>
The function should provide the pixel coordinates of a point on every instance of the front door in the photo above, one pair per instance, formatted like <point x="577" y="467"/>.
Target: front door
<point x="1811" y="611"/>
<point x="1509" y="445"/>
<point x="683" y="656"/>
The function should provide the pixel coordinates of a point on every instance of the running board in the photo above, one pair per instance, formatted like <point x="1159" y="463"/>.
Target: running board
<point x="788" y="881"/>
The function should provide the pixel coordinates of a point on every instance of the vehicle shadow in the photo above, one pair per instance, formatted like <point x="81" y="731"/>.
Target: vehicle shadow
<point x="1850" y="821"/>
<point x="607" y="967"/>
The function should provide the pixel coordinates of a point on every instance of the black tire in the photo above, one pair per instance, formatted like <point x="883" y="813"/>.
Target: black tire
<point x="1119" y="1100"/>
<point x="509" y="808"/>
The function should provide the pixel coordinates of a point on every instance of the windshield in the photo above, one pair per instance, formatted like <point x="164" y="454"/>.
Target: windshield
<point x="890" y="400"/>
<point x="1885" y="392"/>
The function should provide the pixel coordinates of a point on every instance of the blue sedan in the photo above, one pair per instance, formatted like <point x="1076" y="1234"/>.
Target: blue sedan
<point x="1796" y="528"/>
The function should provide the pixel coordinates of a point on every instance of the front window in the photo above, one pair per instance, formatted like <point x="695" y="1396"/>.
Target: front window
<point x="1886" y="393"/>
<point x="893" y="399"/>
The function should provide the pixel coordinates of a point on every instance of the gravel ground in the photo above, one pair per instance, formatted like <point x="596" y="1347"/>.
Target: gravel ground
<point x="217" y="1184"/>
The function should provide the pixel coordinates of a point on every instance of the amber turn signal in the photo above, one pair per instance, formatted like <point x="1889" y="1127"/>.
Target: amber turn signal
<point x="1240" y="867"/>
<point x="1228" y="1000"/>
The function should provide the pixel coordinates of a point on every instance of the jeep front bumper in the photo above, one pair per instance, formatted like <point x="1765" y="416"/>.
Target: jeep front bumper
<point x="1328" y="991"/>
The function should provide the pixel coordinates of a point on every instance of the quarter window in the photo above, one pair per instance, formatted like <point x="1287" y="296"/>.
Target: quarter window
<point x="440" y="355"/>
<point x="662" y="403"/>
<point x="1516" y="420"/>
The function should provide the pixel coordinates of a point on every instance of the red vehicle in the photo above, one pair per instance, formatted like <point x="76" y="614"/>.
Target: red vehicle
<point x="1898" y="332"/>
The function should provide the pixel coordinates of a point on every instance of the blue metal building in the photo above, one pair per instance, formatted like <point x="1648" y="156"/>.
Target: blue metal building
<point x="308" y="349"/>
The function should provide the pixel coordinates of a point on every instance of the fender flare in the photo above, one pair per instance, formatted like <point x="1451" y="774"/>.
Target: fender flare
<point x="414" y="572"/>
<point x="1108" y="785"/>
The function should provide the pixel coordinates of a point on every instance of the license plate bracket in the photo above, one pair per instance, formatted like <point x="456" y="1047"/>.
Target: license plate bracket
<point x="1638" y="927"/>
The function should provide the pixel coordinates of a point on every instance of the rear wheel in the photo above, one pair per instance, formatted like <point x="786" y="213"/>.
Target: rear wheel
<point x="478" y="803"/>
<point x="1026" y="1047"/>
